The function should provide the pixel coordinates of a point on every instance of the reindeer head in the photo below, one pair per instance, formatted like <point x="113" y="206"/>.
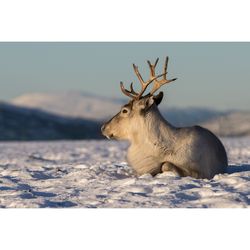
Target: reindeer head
<point x="127" y="123"/>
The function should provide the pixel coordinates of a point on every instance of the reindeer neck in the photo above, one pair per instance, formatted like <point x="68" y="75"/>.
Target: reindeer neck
<point x="154" y="130"/>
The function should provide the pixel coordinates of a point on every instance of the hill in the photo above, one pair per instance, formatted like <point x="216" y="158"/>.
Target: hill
<point x="82" y="105"/>
<point x="18" y="123"/>
<point x="71" y="104"/>
<point x="78" y="105"/>
<point x="233" y="124"/>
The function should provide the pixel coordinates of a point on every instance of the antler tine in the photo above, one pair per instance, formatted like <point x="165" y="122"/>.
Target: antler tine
<point x="152" y="67"/>
<point x="138" y="74"/>
<point x="151" y="79"/>
<point x="159" y="83"/>
<point x="156" y="62"/>
<point x="132" y="89"/>
<point x="165" y="68"/>
<point x="144" y="85"/>
<point x="131" y="94"/>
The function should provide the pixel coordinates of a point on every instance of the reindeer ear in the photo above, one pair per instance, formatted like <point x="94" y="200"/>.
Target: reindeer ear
<point x="145" y="103"/>
<point x="158" y="98"/>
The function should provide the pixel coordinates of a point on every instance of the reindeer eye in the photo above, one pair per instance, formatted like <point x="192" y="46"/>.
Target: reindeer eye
<point x="124" y="111"/>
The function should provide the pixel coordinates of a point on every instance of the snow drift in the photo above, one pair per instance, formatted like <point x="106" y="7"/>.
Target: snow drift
<point x="93" y="174"/>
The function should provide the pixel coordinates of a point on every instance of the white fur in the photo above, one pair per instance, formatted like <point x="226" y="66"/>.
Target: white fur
<point x="153" y="141"/>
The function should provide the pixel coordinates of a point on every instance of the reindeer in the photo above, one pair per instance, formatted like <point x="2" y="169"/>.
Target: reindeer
<point x="156" y="146"/>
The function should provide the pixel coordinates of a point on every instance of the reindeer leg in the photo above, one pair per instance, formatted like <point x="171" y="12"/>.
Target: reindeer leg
<point x="168" y="166"/>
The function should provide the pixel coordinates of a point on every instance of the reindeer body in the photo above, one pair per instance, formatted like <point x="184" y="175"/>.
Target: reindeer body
<point x="155" y="145"/>
<point x="192" y="151"/>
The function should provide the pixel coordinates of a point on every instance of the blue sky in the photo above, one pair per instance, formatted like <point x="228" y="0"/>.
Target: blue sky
<point x="214" y="75"/>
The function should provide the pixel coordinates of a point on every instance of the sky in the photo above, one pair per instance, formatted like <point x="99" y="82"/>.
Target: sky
<point x="212" y="75"/>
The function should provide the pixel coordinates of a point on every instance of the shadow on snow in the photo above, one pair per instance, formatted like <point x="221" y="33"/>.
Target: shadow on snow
<point x="238" y="168"/>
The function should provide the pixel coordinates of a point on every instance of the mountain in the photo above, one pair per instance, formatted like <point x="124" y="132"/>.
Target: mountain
<point x="71" y="104"/>
<point x="18" y="123"/>
<point x="77" y="105"/>
<point x="182" y="117"/>
<point x="82" y="105"/>
<point x="233" y="124"/>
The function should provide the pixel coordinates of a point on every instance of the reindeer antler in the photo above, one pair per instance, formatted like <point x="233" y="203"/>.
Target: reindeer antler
<point x="159" y="83"/>
<point x="153" y="78"/>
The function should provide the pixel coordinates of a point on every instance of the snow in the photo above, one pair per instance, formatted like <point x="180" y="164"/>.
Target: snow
<point x="78" y="104"/>
<point x="95" y="174"/>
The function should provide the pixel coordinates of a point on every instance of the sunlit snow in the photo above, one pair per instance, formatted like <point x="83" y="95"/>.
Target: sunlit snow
<point x="95" y="174"/>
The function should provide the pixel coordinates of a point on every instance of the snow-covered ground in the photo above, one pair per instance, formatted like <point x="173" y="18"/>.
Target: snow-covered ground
<point x="95" y="174"/>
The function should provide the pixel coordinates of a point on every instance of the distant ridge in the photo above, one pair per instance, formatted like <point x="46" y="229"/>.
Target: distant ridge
<point x="85" y="105"/>
<point x="18" y="123"/>
<point x="233" y="124"/>
<point x="71" y="104"/>
<point x="96" y="109"/>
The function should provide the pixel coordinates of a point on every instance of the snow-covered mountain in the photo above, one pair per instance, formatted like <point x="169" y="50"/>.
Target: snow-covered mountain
<point x="19" y="123"/>
<point x="232" y="124"/>
<point x="77" y="105"/>
<point x="71" y="104"/>
<point x="81" y="105"/>
<point x="182" y="117"/>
